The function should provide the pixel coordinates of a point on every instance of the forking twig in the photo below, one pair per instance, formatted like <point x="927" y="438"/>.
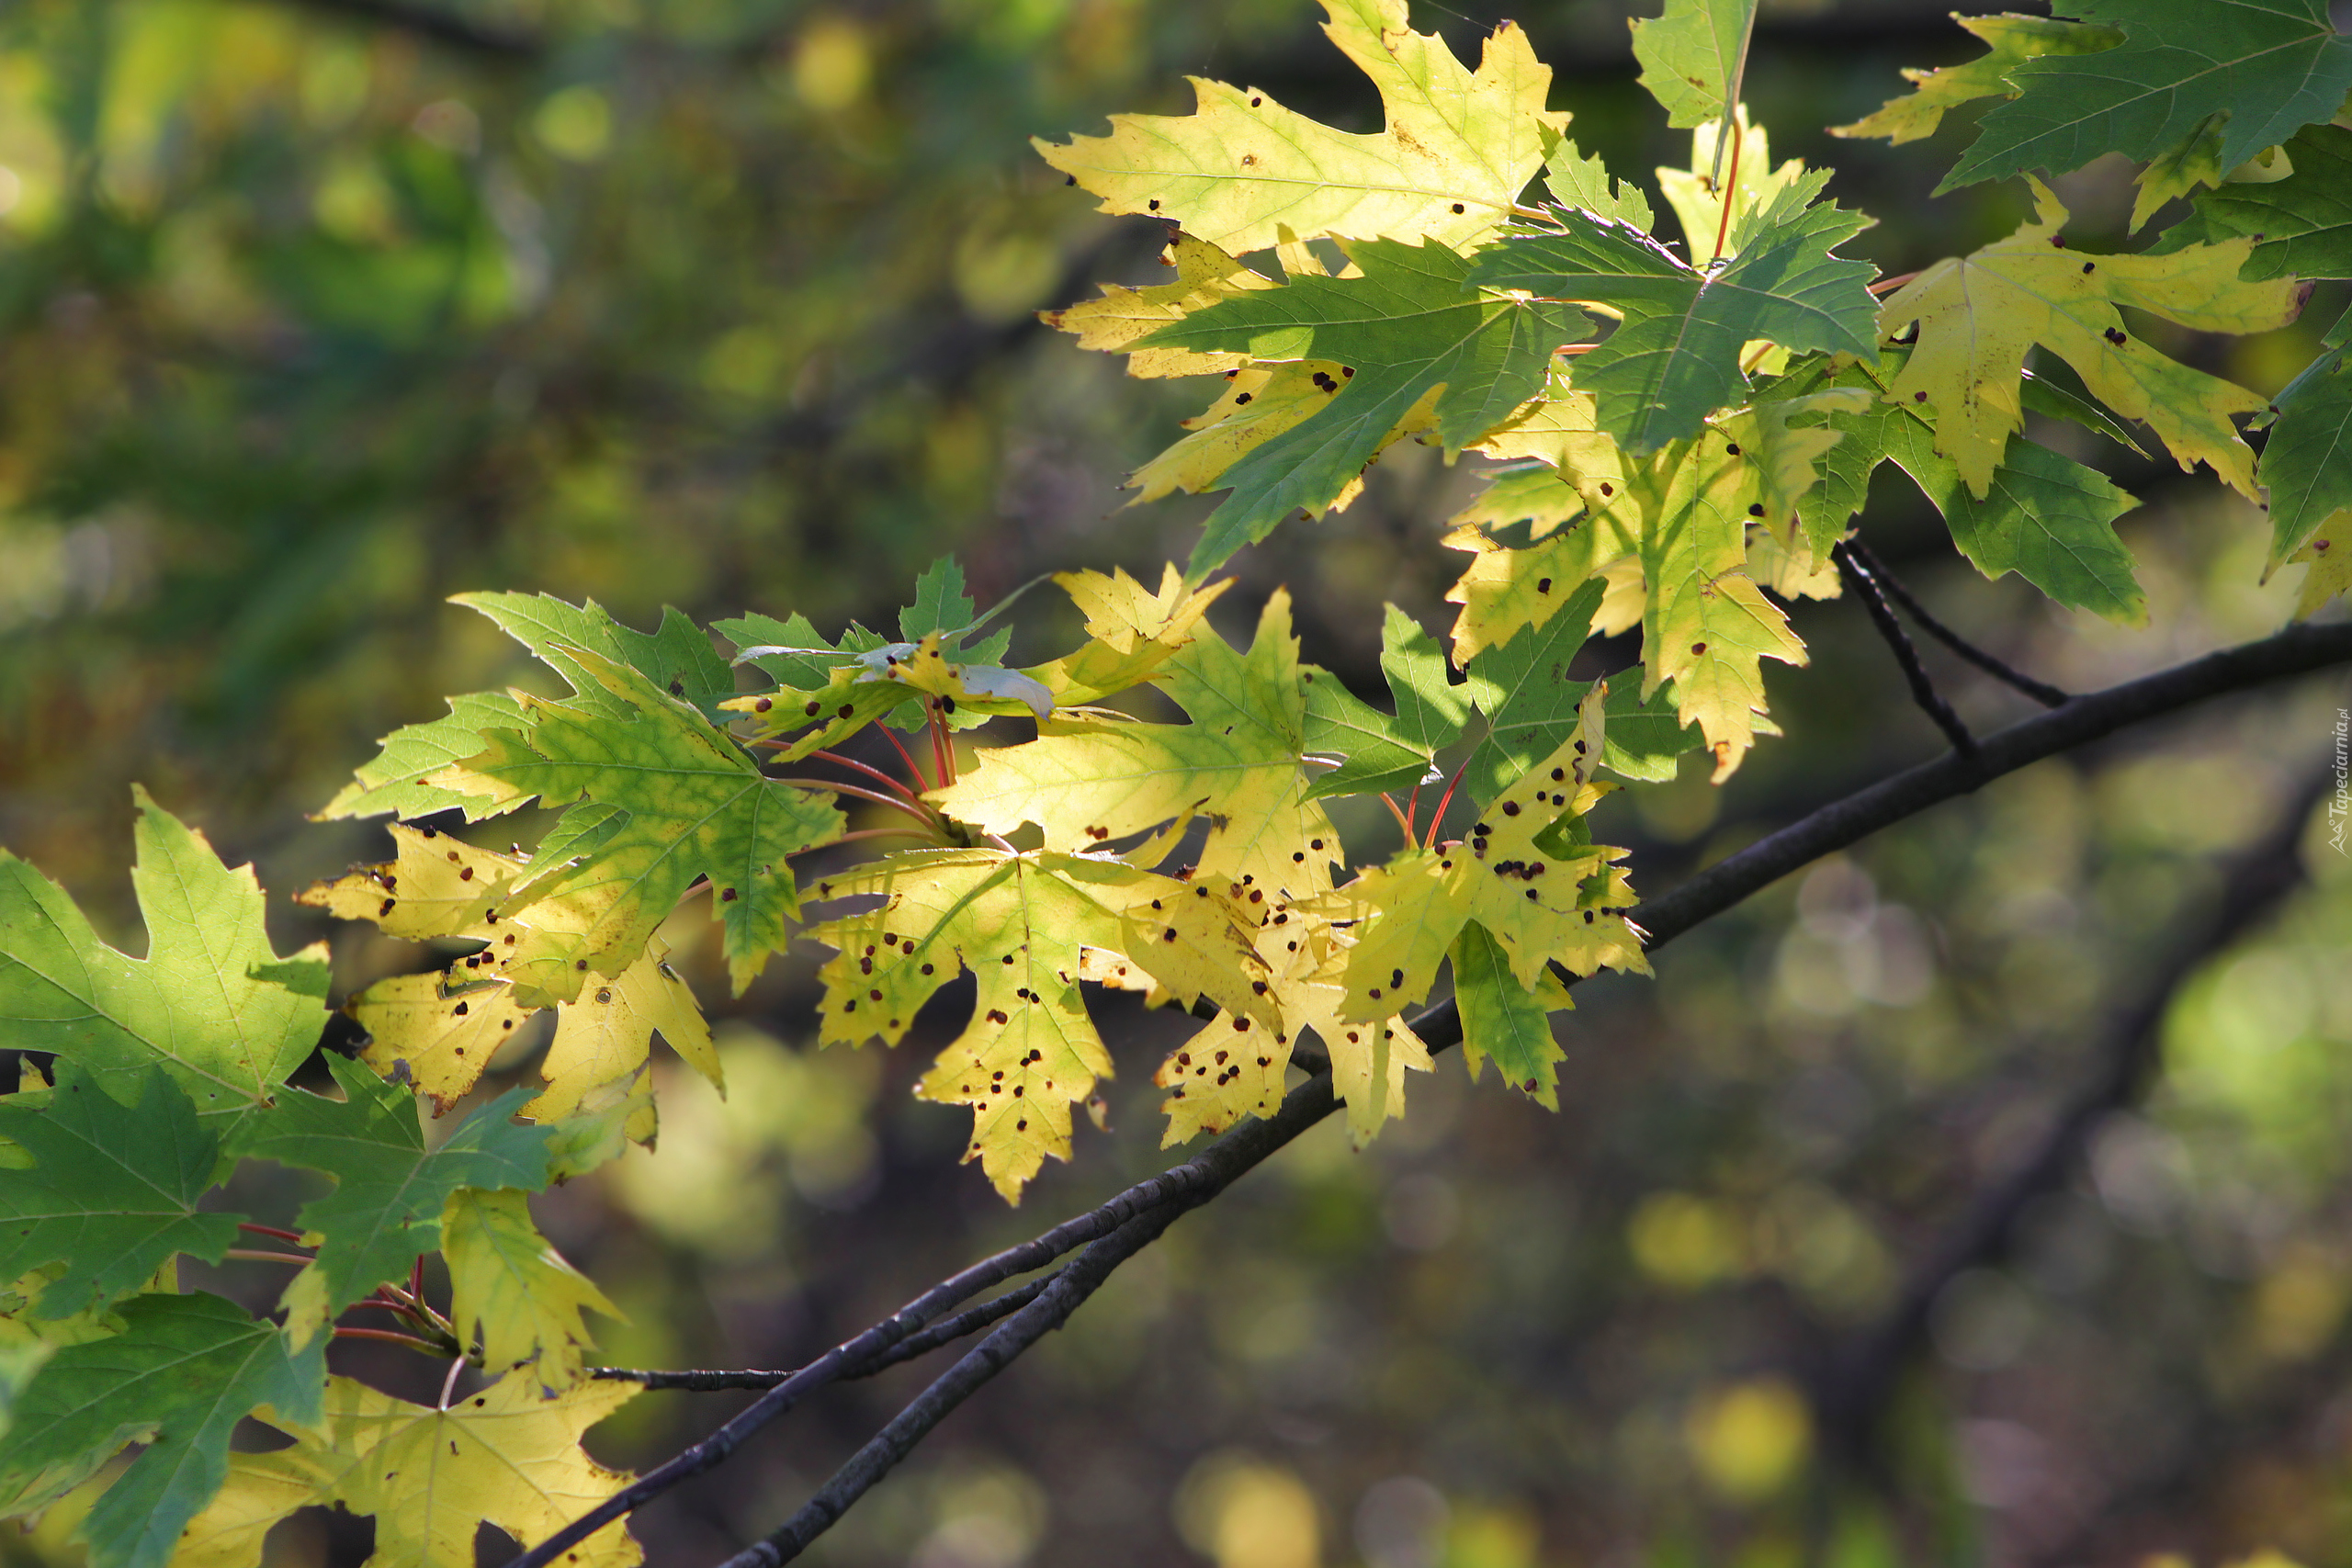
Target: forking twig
<point x="2048" y="695"/>
<point x="1922" y="691"/>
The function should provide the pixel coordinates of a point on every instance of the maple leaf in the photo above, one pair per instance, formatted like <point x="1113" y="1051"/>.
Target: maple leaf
<point x="1406" y="331"/>
<point x="1575" y="180"/>
<point x="1676" y="356"/>
<point x="509" y="1456"/>
<point x="2300" y="224"/>
<point x="394" y="780"/>
<point x="508" y="1283"/>
<point x="437" y="1032"/>
<point x="672" y="800"/>
<point x="1018" y="922"/>
<point x="1525" y="872"/>
<point x="2011" y="40"/>
<point x="1979" y="316"/>
<point x="1241" y="760"/>
<point x="676" y="657"/>
<point x="2307" y="463"/>
<point x="111" y="1190"/>
<point x="1458" y="148"/>
<point x="1691" y="56"/>
<point x="212" y="1003"/>
<point x="2046" y="517"/>
<point x="2270" y="66"/>
<point x="1532" y="493"/>
<point x="389" y="1187"/>
<point x="1384" y="753"/>
<point x="1133" y="631"/>
<point x="1504" y="1022"/>
<point x="183" y="1372"/>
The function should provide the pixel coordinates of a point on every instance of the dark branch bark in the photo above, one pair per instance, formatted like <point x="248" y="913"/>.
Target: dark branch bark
<point x="1864" y="582"/>
<point x="962" y="1323"/>
<point x="2297" y="651"/>
<point x="1853" y="1394"/>
<point x="2048" y="695"/>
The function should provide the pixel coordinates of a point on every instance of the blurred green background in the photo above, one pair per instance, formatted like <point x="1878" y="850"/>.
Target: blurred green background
<point x="316" y="311"/>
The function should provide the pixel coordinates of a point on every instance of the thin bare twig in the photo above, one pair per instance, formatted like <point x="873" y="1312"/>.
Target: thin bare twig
<point x="1922" y="691"/>
<point x="2048" y="695"/>
<point x="906" y="1350"/>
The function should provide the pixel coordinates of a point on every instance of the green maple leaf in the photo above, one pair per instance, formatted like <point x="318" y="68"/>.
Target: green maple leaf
<point x="391" y="1188"/>
<point x="1577" y="181"/>
<point x="211" y="1003"/>
<point x="674" y="799"/>
<point x="2011" y="40"/>
<point x="1019" y="923"/>
<point x="2045" y="517"/>
<point x="394" y="780"/>
<point x="1691" y="57"/>
<point x="1675" y="357"/>
<point x="1979" y="316"/>
<point x="1409" y="336"/>
<point x="2307" y="463"/>
<point x="179" y="1377"/>
<point x="1504" y="1022"/>
<point x="1384" y="753"/>
<point x="676" y="657"/>
<point x="2300" y="226"/>
<point x="1241" y="762"/>
<point x="1458" y="148"/>
<point x="111" y="1193"/>
<point x="2270" y="66"/>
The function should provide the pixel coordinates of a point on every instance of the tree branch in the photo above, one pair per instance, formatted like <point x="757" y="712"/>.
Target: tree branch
<point x="1853" y="1394"/>
<point x="2297" y="651"/>
<point x="1860" y="578"/>
<point x="906" y="1350"/>
<point x="2048" y="695"/>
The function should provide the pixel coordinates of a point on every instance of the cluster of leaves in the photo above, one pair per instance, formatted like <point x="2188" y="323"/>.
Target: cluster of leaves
<point x="1682" y="473"/>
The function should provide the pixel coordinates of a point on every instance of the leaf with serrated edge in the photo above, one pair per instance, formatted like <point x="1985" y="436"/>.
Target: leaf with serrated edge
<point x="1504" y="1022"/>
<point x="111" y="1191"/>
<point x="1205" y="275"/>
<point x="509" y="1285"/>
<point x="1979" y="316"/>
<point x="212" y="1003"/>
<point x="2272" y="65"/>
<point x="389" y="1187"/>
<point x="2307" y="463"/>
<point x="1541" y="908"/>
<point x="2010" y="41"/>
<point x="1383" y="751"/>
<point x="1692" y="55"/>
<point x="179" y="1377"/>
<point x="1458" y="149"/>
<point x="696" y="806"/>
<point x="1018" y="922"/>
<point x="2300" y="224"/>
<point x="1241" y="760"/>
<point x="1405" y="333"/>
<point x="394" y="781"/>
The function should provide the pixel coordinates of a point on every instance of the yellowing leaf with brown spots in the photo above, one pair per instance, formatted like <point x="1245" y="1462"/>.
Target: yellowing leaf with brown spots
<point x="1133" y="631"/>
<point x="1458" y="149"/>
<point x="437" y="1032"/>
<point x="1979" y="315"/>
<point x="508" y="1456"/>
<point x="1205" y="275"/>
<point x="1526" y="871"/>
<point x="1240" y="762"/>
<point x="1019" y="922"/>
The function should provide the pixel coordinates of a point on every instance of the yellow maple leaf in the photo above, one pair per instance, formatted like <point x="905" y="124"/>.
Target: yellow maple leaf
<point x="508" y="1456"/>
<point x="1524" y="872"/>
<point x="1021" y="923"/>
<point x="1505" y="592"/>
<point x="508" y="1283"/>
<point x="1458" y="149"/>
<point x="438" y="1031"/>
<point x="1562" y="429"/>
<point x="1240" y="762"/>
<point x="1979" y="315"/>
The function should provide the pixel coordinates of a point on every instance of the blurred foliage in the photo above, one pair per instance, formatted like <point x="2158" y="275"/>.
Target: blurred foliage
<point x="319" y="312"/>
